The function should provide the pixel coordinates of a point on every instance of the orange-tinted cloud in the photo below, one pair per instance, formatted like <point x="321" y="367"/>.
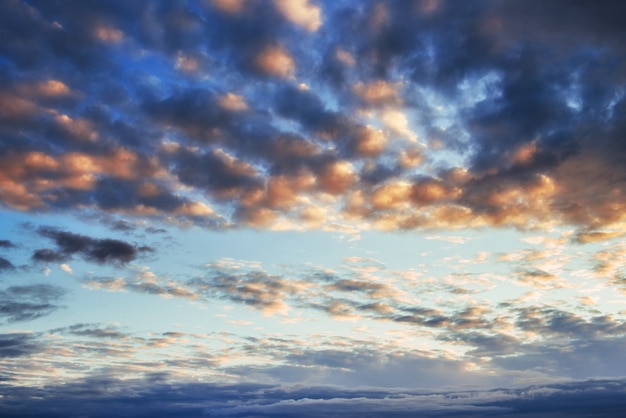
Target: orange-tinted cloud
<point x="276" y="61"/>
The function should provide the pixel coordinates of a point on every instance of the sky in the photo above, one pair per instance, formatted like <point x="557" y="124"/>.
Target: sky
<point x="308" y="208"/>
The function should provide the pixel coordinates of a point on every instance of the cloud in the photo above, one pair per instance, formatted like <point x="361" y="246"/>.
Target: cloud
<point x="4" y="243"/>
<point x="144" y="282"/>
<point x="29" y="302"/>
<point x="66" y="268"/>
<point x="586" y="237"/>
<point x="101" y="251"/>
<point x="378" y="92"/>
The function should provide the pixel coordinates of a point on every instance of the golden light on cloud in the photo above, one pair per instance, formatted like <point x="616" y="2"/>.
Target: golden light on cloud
<point x="233" y="102"/>
<point x="345" y="57"/>
<point x="370" y="141"/>
<point x="229" y="6"/>
<point x="195" y="209"/>
<point x="80" y="182"/>
<point x="409" y="158"/>
<point x="281" y="193"/>
<point x="187" y="63"/>
<point x="337" y="177"/>
<point x="524" y="153"/>
<point x="313" y="215"/>
<point x="276" y="61"/>
<point x="17" y="196"/>
<point x="430" y="192"/>
<point x="122" y="163"/>
<point x="12" y="106"/>
<point x="378" y="92"/>
<point x="80" y="128"/>
<point x="109" y="34"/>
<point x="301" y="13"/>
<point x="39" y="161"/>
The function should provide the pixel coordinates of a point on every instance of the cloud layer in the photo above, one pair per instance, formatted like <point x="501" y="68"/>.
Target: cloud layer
<point x="234" y="113"/>
<point x="602" y="398"/>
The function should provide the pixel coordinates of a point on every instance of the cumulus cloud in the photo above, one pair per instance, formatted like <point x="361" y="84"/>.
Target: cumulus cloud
<point x="275" y="60"/>
<point x="301" y="12"/>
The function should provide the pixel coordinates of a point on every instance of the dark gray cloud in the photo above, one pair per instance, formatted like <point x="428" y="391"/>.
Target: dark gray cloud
<point x="600" y="398"/>
<point x="216" y="173"/>
<point x="6" y="264"/>
<point x="91" y="330"/>
<point x="197" y="113"/>
<point x="19" y="344"/>
<point x="5" y="243"/>
<point x="46" y="255"/>
<point x="29" y="302"/>
<point x="102" y="251"/>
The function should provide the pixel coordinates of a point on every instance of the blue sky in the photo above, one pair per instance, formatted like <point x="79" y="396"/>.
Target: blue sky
<point x="308" y="208"/>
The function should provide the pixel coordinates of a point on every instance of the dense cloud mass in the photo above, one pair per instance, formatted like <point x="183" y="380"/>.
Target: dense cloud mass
<point x="235" y="113"/>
